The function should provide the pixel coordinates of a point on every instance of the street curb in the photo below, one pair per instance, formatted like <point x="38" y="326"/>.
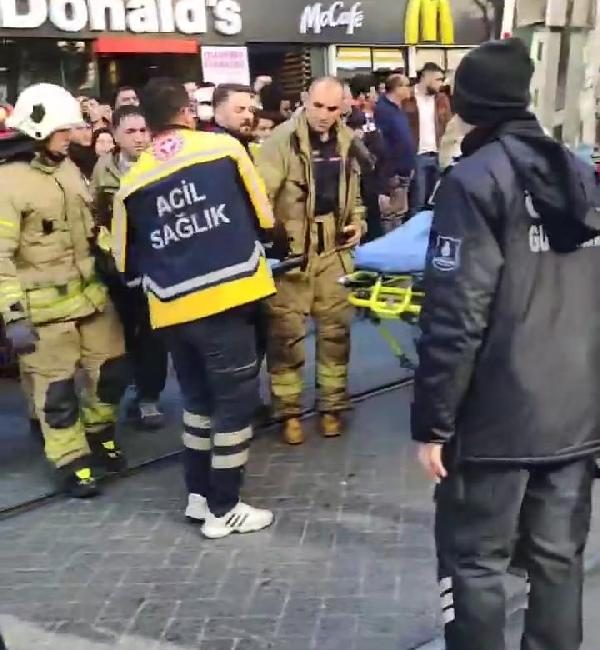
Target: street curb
<point x="515" y="605"/>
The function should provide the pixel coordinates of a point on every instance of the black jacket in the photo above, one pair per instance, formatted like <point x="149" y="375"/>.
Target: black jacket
<point x="510" y="349"/>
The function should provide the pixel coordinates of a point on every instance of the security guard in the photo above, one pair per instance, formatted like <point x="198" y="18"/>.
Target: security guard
<point x="186" y="222"/>
<point x="313" y="178"/>
<point x="57" y="313"/>
<point x="506" y="408"/>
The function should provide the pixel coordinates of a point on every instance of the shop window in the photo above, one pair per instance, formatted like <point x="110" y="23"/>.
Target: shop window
<point x="66" y="63"/>
<point x="430" y="54"/>
<point x="355" y="60"/>
<point x="454" y="57"/>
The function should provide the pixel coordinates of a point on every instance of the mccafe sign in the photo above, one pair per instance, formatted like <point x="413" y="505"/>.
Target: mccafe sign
<point x="137" y="16"/>
<point x="321" y="16"/>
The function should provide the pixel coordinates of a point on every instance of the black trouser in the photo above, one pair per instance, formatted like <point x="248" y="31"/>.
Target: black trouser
<point x="215" y="361"/>
<point x="374" y="227"/>
<point x="145" y="346"/>
<point x="262" y="332"/>
<point x="482" y="512"/>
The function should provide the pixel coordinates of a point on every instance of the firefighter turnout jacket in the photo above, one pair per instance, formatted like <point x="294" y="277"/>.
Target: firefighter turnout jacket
<point x="47" y="270"/>
<point x="185" y="221"/>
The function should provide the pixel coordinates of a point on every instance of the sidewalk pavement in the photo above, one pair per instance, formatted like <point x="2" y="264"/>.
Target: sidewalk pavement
<point x="25" y="476"/>
<point x="349" y="563"/>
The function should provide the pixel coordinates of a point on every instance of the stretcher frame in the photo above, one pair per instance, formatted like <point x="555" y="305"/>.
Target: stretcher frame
<point x="382" y="297"/>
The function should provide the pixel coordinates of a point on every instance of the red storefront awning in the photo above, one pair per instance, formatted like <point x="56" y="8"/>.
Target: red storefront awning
<point x="142" y="45"/>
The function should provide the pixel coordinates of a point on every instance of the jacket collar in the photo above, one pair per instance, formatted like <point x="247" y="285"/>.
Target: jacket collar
<point x="42" y="164"/>
<point x="301" y="129"/>
<point x="386" y="100"/>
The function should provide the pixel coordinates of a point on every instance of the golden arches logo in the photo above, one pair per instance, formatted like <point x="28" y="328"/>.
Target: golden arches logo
<point x="429" y="21"/>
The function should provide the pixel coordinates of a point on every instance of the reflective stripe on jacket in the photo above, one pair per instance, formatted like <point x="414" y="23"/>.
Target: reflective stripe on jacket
<point x="47" y="270"/>
<point x="185" y="220"/>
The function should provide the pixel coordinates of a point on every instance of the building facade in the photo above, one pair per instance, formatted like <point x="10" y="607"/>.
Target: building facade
<point x="93" y="46"/>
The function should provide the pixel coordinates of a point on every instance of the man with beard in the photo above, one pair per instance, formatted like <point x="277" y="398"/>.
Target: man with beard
<point x="428" y="111"/>
<point x="234" y="107"/>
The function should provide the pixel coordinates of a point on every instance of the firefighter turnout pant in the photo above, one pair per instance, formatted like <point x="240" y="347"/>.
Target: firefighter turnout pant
<point x="216" y="365"/>
<point x="315" y="292"/>
<point x="70" y="421"/>
<point x="483" y="513"/>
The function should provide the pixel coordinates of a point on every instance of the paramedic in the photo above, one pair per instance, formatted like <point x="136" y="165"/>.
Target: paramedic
<point x="313" y="180"/>
<point x="145" y="348"/>
<point x="57" y="314"/>
<point x="184" y="221"/>
<point x="506" y="408"/>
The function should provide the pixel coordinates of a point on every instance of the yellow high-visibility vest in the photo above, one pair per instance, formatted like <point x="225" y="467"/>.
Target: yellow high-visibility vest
<point x="429" y="21"/>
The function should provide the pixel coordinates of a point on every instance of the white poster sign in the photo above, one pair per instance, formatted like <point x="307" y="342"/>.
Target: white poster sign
<point x="222" y="65"/>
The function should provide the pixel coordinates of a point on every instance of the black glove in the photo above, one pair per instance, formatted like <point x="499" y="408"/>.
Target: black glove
<point x="277" y="242"/>
<point x="22" y="336"/>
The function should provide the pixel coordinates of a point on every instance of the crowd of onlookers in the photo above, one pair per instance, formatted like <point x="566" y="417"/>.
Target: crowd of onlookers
<point x="405" y="128"/>
<point x="403" y="136"/>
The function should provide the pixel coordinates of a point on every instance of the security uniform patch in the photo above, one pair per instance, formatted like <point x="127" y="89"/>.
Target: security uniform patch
<point x="446" y="255"/>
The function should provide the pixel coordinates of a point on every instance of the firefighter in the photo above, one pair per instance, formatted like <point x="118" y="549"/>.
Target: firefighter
<point x="56" y="310"/>
<point x="313" y="179"/>
<point x="506" y="408"/>
<point x="185" y="222"/>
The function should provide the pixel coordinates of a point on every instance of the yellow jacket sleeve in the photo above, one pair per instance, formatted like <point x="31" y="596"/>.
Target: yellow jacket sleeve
<point x="255" y="187"/>
<point x="12" y="297"/>
<point x="271" y="166"/>
<point x="119" y="233"/>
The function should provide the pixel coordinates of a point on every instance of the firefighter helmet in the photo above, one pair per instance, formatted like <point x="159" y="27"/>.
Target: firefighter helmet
<point x="43" y="109"/>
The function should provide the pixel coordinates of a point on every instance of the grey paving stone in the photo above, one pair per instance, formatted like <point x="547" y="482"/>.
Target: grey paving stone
<point x="186" y="632"/>
<point x="258" y="627"/>
<point x="348" y="565"/>
<point x="218" y="644"/>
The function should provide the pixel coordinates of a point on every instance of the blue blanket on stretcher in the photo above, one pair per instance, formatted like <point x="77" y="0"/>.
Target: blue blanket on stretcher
<point x="403" y="250"/>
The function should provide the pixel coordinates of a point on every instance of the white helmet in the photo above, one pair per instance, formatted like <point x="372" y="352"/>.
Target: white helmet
<point x="43" y="109"/>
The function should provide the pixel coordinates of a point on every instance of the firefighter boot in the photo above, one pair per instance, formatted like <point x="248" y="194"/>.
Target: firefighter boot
<point x="77" y="480"/>
<point x="108" y="455"/>
<point x="293" y="433"/>
<point x="331" y="425"/>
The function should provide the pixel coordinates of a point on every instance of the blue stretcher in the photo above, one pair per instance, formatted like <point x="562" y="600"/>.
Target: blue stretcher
<point x="387" y="282"/>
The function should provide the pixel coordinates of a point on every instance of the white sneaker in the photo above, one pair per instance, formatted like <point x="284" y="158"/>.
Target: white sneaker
<point x="197" y="507"/>
<point x="240" y="519"/>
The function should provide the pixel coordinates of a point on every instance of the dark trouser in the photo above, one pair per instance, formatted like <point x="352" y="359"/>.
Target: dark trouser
<point x="262" y="332"/>
<point x="482" y="512"/>
<point x="2" y="646"/>
<point x="215" y="361"/>
<point x="427" y="174"/>
<point x="145" y="347"/>
<point x="374" y="227"/>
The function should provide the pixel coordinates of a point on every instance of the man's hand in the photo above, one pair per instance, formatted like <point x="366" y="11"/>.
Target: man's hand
<point x="352" y="234"/>
<point x="22" y="336"/>
<point x="384" y="204"/>
<point x="430" y="457"/>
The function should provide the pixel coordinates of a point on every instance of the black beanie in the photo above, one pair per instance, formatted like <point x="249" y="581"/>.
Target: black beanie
<point x="492" y="83"/>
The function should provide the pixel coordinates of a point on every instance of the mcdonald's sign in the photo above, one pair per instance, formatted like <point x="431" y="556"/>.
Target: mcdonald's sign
<point x="429" y="21"/>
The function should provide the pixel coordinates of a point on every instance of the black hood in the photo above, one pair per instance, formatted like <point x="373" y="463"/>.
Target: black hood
<point x="564" y="190"/>
<point x="16" y="146"/>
